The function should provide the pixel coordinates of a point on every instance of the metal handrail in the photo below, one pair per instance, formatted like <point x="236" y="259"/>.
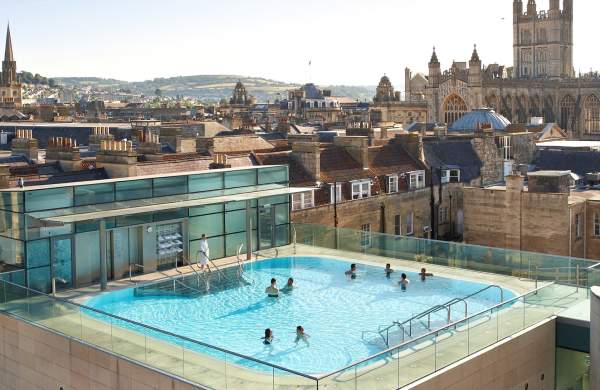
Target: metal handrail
<point x="160" y="331"/>
<point x="488" y="288"/>
<point x="240" y="261"/>
<point x="193" y="270"/>
<point x="131" y="265"/>
<point x="54" y="280"/>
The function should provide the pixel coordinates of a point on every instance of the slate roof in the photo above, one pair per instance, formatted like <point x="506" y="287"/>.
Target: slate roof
<point x="579" y="162"/>
<point x="454" y="153"/>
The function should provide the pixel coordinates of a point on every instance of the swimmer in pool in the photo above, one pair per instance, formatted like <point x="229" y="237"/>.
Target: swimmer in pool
<point x="351" y="272"/>
<point x="268" y="339"/>
<point x="388" y="270"/>
<point x="272" y="291"/>
<point x="424" y="274"/>
<point x="300" y="335"/>
<point x="404" y="282"/>
<point x="289" y="286"/>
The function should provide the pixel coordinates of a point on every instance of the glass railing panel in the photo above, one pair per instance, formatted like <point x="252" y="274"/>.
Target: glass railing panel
<point x="96" y="329"/>
<point x="452" y="345"/>
<point x="164" y="355"/>
<point x="210" y="369"/>
<point x="129" y="340"/>
<point x="483" y="330"/>
<point x="248" y="374"/>
<point x="283" y="380"/>
<point x="343" y="380"/>
<point x="380" y="372"/>
<point x="415" y="360"/>
<point x="61" y="317"/>
<point x="511" y="317"/>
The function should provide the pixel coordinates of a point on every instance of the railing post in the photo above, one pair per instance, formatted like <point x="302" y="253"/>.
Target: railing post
<point x="536" y="278"/>
<point x="577" y="277"/>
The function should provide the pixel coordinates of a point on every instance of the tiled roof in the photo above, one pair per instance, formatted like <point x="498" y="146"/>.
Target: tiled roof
<point x="244" y="143"/>
<point x="391" y="158"/>
<point x="338" y="165"/>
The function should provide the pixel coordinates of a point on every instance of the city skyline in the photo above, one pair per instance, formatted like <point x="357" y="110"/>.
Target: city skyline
<point x="347" y="42"/>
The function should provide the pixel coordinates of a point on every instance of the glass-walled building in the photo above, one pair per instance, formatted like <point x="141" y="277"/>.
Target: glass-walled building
<point x="153" y="222"/>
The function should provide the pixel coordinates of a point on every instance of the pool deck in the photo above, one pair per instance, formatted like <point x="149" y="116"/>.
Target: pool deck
<point x="414" y="362"/>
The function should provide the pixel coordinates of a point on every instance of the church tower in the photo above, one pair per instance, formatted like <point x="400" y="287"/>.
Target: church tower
<point x="543" y="40"/>
<point x="432" y="92"/>
<point x="10" y="88"/>
<point x="9" y="65"/>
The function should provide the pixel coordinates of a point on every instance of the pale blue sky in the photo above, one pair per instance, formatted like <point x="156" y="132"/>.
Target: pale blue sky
<point x="349" y="41"/>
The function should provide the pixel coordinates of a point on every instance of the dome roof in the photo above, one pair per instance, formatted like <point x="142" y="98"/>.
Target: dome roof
<point x="385" y="81"/>
<point x="478" y="117"/>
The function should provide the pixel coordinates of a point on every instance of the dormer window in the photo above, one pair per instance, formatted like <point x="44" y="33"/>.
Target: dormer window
<point x="450" y="175"/>
<point x="361" y="189"/>
<point x="303" y="200"/>
<point x="392" y="184"/>
<point x="417" y="180"/>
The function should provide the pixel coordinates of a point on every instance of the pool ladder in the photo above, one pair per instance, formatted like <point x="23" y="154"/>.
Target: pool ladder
<point x="384" y="330"/>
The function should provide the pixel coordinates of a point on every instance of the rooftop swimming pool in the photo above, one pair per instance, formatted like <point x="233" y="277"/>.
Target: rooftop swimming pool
<point x="334" y="310"/>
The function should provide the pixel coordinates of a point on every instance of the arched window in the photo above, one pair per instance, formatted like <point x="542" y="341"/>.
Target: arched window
<point x="492" y="102"/>
<point x="548" y="110"/>
<point x="567" y="112"/>
<point x="591" y="115"/>
<point x="454" y="108"/>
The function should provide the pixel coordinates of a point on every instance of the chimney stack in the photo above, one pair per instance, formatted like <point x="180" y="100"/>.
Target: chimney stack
<point x="309" y="155"/>
<point x="64" y="151"/>
<point x="25" y="145"/>
<point x="357" y="147"/>
<point x="99" y="133"/>
<point x="118" y="158"/>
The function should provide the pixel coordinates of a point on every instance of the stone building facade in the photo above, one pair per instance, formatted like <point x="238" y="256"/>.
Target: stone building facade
<point x="541" y="82"/>
<point x="389" y="107"/>
<point x="544" y="217"/>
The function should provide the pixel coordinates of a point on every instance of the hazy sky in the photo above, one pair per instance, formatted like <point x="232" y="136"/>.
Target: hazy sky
<point x="349" y="41"/>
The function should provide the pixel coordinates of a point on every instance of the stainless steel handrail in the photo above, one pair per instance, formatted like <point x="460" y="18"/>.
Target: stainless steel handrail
<point x="54" y="280"/>
<point x="131" y="265"/>
<point x="240" y="261"/>
<point x="193" y="270"/>
<point x="160" y="331"/>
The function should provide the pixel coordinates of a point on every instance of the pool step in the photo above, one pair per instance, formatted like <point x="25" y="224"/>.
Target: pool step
<point x="192" y="286"/>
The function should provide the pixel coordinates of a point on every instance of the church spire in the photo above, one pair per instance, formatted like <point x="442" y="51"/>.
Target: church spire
<point x="475" y="55"/>
<point x="8" y="52"/>
<point x="434" y="58"/>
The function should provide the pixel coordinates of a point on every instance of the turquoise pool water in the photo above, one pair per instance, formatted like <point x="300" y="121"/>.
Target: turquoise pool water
<point x="333" y="309"/>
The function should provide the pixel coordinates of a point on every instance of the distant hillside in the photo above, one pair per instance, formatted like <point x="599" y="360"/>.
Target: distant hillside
<point x="207" y="87"/>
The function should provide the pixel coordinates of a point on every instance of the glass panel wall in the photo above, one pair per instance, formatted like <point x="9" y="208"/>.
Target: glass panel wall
<point x="71" y="251"/>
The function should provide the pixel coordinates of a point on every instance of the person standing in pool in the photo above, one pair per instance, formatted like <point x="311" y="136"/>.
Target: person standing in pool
<point x="289" y="286"/>
<point x="424" y="274"/>
<point x="404" y="282"/>
<point x="300" y="335"/>
<point x="388" y="270"/>
<point x="351" y="272"/>
<point x="203" y="252"/>
<point x="268" y="339"/>
<point x="272" y="291"/>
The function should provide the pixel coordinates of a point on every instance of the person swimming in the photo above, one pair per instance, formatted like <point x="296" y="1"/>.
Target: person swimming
<point x="388" y="270"/>
<point x="268" y="339"/>
<point x="404" y="282"/>
<point x="351" y="272"/>
<point x="289" y="286"/>
<point x="272" y="291"/>
<point x="424" y="274"/>
<point x="300" y="335"/>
